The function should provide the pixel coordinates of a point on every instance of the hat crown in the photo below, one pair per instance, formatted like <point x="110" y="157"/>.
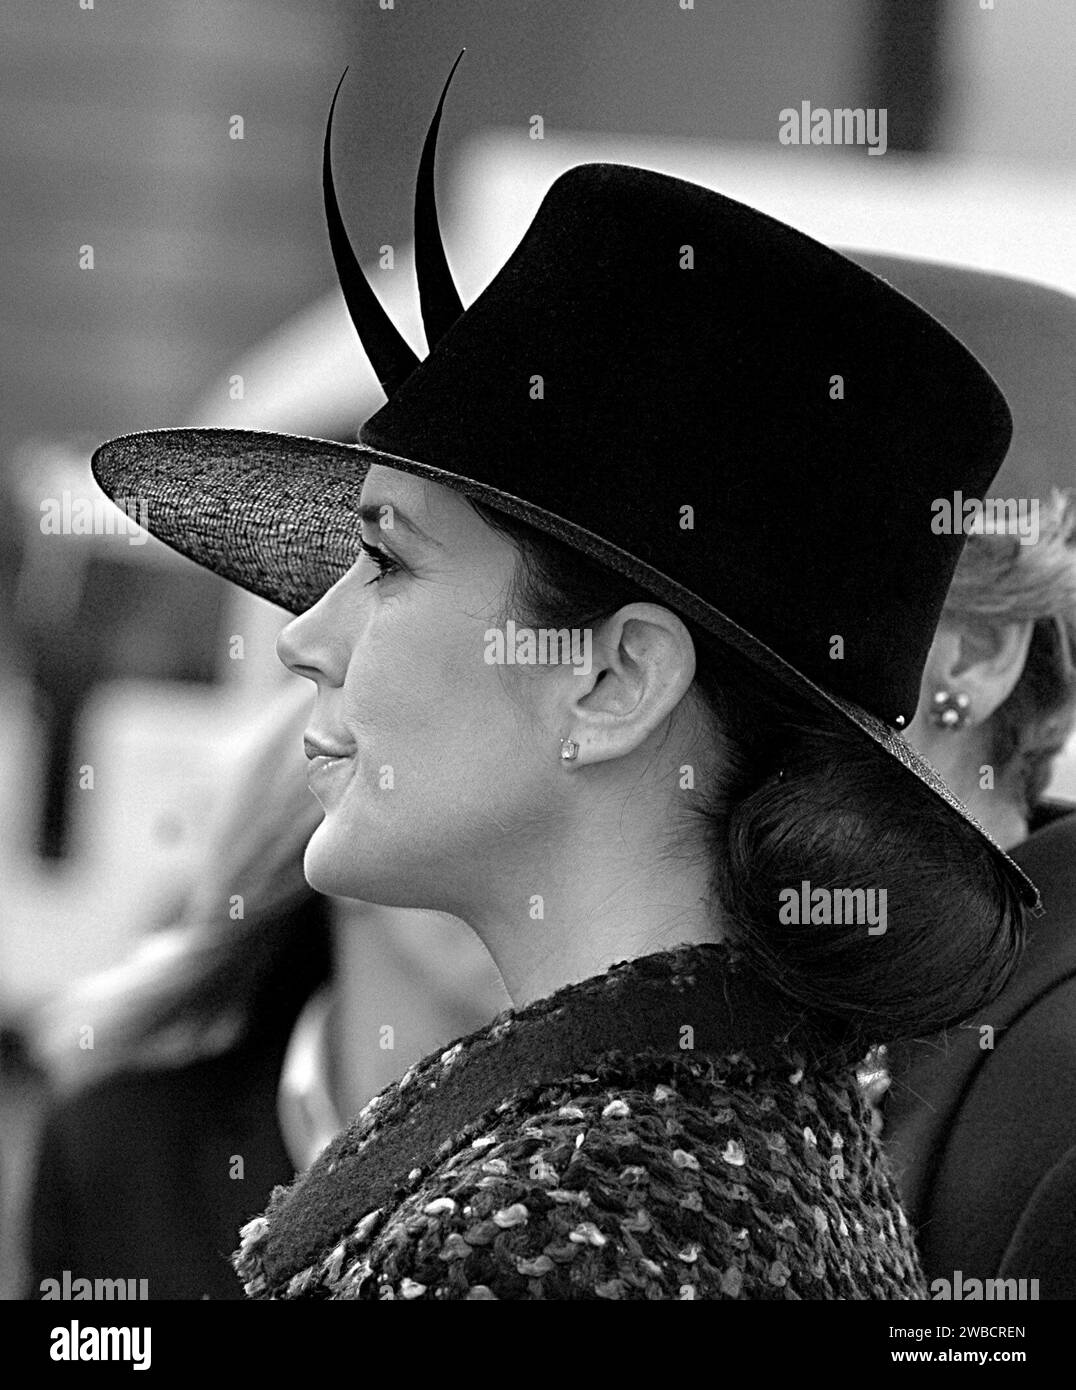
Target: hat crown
<point x="736" y="407"/>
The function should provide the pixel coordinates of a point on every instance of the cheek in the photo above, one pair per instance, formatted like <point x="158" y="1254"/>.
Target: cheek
<point x="453" y="769"/>
<point x="420" y="698"/>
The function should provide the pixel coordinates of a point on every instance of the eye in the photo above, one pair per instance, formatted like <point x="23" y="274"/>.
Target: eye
<point x="385" y="562"/>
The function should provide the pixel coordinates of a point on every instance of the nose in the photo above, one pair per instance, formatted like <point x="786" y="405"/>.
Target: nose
<point x="309" y="646"/>
<point x="287" y="648"/>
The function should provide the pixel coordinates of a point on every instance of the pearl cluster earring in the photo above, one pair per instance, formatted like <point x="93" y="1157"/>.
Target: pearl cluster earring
<point x="949" y="709"/>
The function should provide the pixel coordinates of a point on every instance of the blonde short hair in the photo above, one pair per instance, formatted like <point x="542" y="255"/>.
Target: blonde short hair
<point x="1000" y="580"/>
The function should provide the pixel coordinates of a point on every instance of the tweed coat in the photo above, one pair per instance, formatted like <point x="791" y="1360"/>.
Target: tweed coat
<point x="665" y="1130"/>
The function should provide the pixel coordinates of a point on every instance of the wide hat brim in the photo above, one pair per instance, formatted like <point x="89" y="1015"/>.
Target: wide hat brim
<point x="278" y="515"/>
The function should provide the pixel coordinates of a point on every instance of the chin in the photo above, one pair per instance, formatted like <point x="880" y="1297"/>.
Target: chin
<point x="329" y="867"/>
<point x="332" y="866"/>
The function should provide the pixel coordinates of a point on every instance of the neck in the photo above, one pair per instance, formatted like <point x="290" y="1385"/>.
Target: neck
<point x="558" y="909"/>
<point x="959" y="757"/>
<point x="405" y="983"/>
<point x="598" y="893"/>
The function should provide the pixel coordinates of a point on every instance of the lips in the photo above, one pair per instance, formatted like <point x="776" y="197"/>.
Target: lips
<point x="330" y="766"/>
<point x="316" y="746"/>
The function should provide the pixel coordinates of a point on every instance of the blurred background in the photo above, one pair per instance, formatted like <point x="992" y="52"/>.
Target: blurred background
<point x="159" y="271"/>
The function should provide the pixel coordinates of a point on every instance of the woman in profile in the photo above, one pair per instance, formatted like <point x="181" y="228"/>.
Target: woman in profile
<point x="615" y="616"/>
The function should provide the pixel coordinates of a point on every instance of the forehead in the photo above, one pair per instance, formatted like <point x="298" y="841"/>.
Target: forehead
<point x="436" y="513"/>
<point x="406" y="491"/>
<point x="420" y="498"/>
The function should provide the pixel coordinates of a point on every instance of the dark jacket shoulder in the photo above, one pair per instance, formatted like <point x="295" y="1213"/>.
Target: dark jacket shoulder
<point x="980" y="1124"/>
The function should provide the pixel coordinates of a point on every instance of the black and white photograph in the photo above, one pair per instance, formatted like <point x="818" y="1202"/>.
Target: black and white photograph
<point x="538" y="670"/>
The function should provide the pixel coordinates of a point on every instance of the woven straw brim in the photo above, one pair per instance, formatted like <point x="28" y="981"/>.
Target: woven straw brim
<point x="278" y="515"/>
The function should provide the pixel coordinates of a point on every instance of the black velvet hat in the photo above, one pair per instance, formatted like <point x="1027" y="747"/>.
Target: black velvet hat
<point x="651" y="355"/>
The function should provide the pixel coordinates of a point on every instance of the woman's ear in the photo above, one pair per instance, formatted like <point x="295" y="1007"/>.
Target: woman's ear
<point x="985" y="661"/>
<point x="644" y="663"/>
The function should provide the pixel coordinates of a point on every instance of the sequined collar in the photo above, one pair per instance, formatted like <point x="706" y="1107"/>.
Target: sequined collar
<point x="692" y="997"/>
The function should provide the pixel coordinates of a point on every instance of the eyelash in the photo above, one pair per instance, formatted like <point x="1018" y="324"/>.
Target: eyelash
<point x="385" y="562"/>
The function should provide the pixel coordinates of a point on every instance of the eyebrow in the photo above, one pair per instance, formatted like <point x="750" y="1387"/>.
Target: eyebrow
<point x="370" y="512"/>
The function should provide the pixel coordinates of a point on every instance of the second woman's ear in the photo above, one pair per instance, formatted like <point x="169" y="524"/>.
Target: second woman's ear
<point x="986" y="662"/>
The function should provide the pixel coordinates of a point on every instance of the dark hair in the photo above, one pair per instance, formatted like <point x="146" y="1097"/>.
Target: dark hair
<point x="799" y="794"/>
